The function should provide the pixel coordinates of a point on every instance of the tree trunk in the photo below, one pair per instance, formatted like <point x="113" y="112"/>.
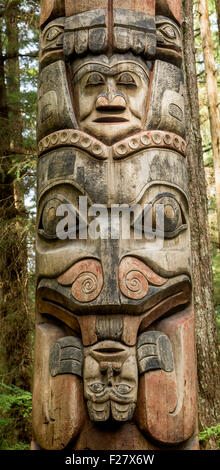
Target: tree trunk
<point x="217" y="7"/>
<point x="212" y="94"/>
<point x="206" y="334"/>
<point x="5" y="185"/>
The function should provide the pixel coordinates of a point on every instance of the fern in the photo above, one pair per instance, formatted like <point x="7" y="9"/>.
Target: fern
<point x="13" y="396"/>
<point x="15" y="414"/>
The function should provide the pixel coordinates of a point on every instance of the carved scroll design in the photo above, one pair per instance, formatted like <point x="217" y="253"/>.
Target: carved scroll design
<point x="134" y="278"/>
<point x="86" y="279"/>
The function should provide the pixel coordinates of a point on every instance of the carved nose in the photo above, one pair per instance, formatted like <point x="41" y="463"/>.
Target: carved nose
<point x="105" y="105"/>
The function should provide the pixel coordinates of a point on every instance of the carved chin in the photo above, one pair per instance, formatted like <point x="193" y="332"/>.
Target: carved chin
<point x="111" y="129"/>
<point x="100" y="412"/>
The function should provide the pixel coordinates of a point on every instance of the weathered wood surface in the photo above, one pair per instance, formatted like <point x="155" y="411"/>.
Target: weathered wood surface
<point x="114" y="339"/>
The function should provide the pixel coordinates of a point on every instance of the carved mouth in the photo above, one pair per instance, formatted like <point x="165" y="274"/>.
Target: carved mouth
<point x="111" y="109"/>
<point x="173" y="47"/>
<point x="108" y="350"/>
<point x="110" y="119"/>
<point x="53" y="298"/>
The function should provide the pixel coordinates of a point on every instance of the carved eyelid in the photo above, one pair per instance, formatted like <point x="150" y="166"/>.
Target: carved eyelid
<point x="97" y="387"/>
<point x="62" y="200"/>
<point x="169" y="31"/>
<point x="123" y="388"/>
<point x="91" y="79"/>
<point x="52" y="33"/>
<point x="156" y="199"/>
<point x="119" y="79"/>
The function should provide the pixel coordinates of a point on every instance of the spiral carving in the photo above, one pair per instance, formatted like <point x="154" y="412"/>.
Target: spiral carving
<point x="86" y="279"/>
<point x="88" y="282"/>
<point x="86" y="287"/>
<point x="134" y="277"/>
<point x="134" y="285"/>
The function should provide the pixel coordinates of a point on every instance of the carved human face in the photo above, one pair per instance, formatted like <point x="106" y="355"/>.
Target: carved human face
<point x="110" y="381"/>
<point x="111" y="98"/>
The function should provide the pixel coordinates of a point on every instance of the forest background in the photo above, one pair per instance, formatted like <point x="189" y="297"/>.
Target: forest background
<point x="19" y="41"/>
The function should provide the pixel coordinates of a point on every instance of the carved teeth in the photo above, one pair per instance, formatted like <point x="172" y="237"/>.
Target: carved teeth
<point x="145" y="139"/>
<point x="134" y="144"/>
<point x="149" y="139"/>
<point x="74" y="138"/>
<point x="167" y="139"/>
<point x="176" y="142"/>
<point x="121" y="149"/>
<point x="157" y="138"/>
<point x="86" y="142"/>
<point x="97" y="149"/>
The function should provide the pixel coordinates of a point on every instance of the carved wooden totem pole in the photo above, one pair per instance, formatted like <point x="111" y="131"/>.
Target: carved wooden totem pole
<point x="114" y="348"/>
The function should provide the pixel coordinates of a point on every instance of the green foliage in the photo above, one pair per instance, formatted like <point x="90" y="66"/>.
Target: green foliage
<point x="216" y="281"/>
<point x="212" y="432"/>
<point x="12" y="397"/>
<point x="16" y="407"/>
<point x="201" y="81"/>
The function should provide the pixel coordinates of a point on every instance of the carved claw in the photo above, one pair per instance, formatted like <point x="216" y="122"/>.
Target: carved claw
<point x="154" y="351"/>
<point x="66" y="356"/>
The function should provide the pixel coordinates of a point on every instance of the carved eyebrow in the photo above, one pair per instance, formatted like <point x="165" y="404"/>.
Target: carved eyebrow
<point x="115" y="69"/>
<point x="169" y="187"/>
<point x="60" y="182"/>
<point x="147" y="188"/>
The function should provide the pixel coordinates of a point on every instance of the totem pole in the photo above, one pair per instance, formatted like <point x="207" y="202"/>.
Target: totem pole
<point x="115" y="360"/>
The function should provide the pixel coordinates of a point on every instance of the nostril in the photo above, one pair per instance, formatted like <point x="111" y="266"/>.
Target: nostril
<point x="107" y="105"/>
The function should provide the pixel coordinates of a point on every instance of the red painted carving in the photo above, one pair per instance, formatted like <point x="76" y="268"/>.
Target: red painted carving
<point x="162" y="411"/>
<point x="134" y="275"/>
<point x="143" y="6"/>
<point x="51" y="9"/>
<point x="86" y="279"/>
<point x="170" y="8"/>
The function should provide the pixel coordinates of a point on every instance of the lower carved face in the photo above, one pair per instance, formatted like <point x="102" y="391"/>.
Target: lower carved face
<point x="110" y="381"/>
<point x="111" y="292"/>
<point x="111" y="98"/>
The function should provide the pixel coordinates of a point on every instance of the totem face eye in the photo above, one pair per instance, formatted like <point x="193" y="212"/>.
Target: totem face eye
<point x="169" y="31"/>
<point x="163" y="216"/>
<point x="49" y="219"/>
<point x="52" y="33"/>
<point x="126" y="79"/>
<point x="170" y="219"/>
<point x="123" y="389"/>
<point x="51" y="216"/>
<point x="94" y="79"/>
<point x="97" y="387"/>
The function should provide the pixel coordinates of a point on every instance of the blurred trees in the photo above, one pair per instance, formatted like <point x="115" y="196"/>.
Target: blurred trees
<point x="18" y="42"/>
<point x="19" y="23"/>
<point x="202" y="276"/>
<point x="212" y="99"/>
